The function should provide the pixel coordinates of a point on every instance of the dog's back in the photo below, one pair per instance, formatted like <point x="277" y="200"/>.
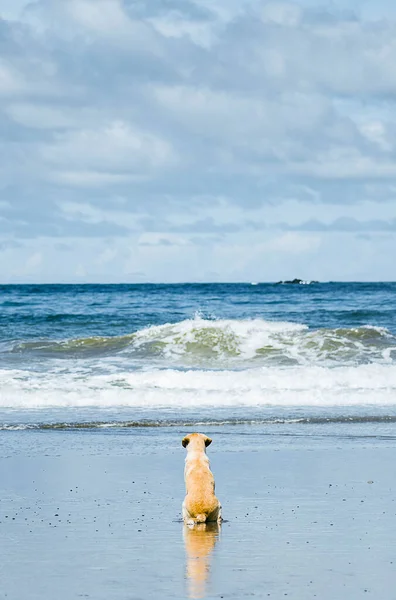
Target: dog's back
<point x="200" y="504"/>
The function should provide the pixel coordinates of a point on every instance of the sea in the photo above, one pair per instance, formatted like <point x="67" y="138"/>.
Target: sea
<point x="279" y="356"/>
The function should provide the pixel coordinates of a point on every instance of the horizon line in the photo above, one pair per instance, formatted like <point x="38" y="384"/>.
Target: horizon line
<point x="246" y="282"/>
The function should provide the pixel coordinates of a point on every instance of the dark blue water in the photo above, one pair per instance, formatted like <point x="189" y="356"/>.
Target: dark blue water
<point x="67" y="311"/>
<point x="188" y="346"/>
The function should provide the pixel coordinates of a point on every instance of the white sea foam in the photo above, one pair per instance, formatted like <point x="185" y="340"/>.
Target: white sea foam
<point x="293" y="386"/>
<point x="219" y="337"/>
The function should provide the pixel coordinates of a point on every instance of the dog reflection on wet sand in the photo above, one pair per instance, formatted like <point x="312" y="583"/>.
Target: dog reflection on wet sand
<point x="199" y="540"/>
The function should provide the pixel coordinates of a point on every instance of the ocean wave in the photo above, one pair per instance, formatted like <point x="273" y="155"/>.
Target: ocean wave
<point x="315" y="386"/>
<point x="195" y="423"/>
<point x="216" y="343"/>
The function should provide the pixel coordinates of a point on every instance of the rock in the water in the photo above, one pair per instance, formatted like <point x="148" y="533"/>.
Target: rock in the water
<point x="296" y="281"/>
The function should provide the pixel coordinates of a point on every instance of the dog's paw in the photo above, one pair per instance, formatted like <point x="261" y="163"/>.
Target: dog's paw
<point x="190" y="523"/>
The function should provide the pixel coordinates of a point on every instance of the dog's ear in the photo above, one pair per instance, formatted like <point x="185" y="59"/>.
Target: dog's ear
<point x="208" y="441"/>
<point x="185" y="441"/>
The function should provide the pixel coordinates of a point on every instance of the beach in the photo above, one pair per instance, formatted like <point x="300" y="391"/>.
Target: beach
<point x="295" y="384"/>
<point x="97" y="515"/>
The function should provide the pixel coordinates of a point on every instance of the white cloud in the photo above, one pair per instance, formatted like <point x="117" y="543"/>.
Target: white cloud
<point x="80" y="271"/>
<point x="294" y="243"/>
<point x="34" y="261"/>
<point x="161" y="239"/>
<point x="376" y="132"/>
<point x="12" y="9"/>
<point x="173" y="25"/>
<point x="107" y="256"/>
<point x="89" y="179"/>
<point x="103" y="16"/>
<point x="41" y="116"/>
<point x="92" y="20"/>
<point x="131" y="130"/>
<point x="10" y="80"/>
<point x="117" y="147"/>
<point x="282" y="13"/>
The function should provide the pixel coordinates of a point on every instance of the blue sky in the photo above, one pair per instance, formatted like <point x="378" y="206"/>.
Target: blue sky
<point x="177" y="140"/>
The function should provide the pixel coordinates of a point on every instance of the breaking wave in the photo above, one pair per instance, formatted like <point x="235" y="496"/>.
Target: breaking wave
<point x="202" y="362"/>
<point x="218" y="343"/>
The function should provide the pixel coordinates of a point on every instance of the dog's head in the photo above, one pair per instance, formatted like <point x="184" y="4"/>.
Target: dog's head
<point x="198" y="441"/>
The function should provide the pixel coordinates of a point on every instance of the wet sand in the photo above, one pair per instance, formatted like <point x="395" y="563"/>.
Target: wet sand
<point x="97" y="516"/>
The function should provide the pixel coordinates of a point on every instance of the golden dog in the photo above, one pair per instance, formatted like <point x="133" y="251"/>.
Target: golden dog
<point x="200" y="504"/>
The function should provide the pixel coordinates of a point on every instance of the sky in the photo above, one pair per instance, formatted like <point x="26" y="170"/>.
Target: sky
<point x="197" y="140"/>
